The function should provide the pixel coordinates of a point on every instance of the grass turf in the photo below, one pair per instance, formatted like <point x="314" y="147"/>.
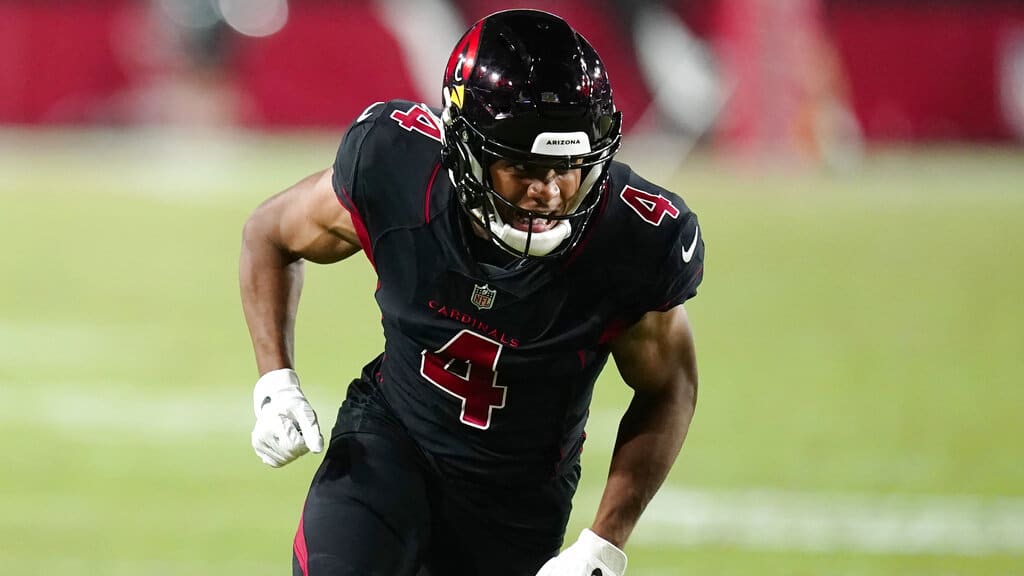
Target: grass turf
<point x="857" y="333"/>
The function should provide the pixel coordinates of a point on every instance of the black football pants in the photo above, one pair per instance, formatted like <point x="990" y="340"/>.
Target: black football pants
<point x="377" y="508"/>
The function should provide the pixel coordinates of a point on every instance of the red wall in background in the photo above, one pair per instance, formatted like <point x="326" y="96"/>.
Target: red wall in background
<point x="916" y="71"/>
<point x="331" y="61"/>
<point x="925" y="71"/>
<point x="59" y="61"/>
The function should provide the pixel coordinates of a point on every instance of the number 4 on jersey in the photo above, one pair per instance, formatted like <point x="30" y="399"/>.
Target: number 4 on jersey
<point x="420" y="119"/>
<point x="465" y="368"/>
<point x="651" y="207"/>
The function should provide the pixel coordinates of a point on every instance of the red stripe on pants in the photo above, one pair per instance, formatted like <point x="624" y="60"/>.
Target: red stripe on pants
<point x="299" y="546"/>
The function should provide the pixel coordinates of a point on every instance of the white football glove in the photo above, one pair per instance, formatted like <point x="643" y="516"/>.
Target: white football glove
<point x="591" y="555"/>
<point x="286" y="426"/>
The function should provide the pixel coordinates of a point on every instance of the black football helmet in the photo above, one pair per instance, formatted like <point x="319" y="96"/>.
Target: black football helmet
<point x="523" y="86"/>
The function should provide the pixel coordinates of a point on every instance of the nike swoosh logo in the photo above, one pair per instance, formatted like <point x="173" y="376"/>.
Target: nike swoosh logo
<point x="688" y="252"/>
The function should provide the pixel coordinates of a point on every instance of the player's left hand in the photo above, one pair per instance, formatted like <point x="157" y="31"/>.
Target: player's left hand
<point x="590" y="555"/>
<point x="286" y="425"/>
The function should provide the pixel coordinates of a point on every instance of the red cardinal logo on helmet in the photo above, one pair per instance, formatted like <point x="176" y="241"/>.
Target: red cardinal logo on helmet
<point x="463" y="58"/>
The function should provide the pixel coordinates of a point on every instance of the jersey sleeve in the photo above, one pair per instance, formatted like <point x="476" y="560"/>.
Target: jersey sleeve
<point x="682" y="270"/>
<point x="659" y="245"/>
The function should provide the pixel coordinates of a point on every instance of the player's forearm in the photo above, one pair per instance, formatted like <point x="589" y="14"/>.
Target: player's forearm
<point x="650" y="436"/>
<point x="271" y="281"/>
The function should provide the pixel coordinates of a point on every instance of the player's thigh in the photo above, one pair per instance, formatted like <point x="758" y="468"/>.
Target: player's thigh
<point x="366" y="512"/>
<point x="501" y="532"/>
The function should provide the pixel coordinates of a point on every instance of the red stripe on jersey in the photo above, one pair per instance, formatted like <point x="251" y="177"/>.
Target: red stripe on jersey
<point x="613" y="329"/>
<point x="299" y="547"/>
<point x="426" y="204"/>
<point x="357" y="221"/>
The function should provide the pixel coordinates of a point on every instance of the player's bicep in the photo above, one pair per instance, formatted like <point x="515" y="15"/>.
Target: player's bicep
<point x="312" y="224"/>
<point x="657" y="354"/>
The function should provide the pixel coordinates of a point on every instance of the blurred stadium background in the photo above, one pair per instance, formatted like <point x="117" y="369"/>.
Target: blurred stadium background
<point x="857" y="166"/>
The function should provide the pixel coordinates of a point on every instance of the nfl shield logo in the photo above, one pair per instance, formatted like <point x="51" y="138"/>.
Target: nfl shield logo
<point x="483" y="297"/>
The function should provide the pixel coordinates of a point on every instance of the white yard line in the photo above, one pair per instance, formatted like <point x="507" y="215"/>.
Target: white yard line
<point x="55" y="344"/>
<point x="823" y="522"/>
<point x="105" y="408"/>
<point x="760" y="519"/>
<point x="161" y="412"/>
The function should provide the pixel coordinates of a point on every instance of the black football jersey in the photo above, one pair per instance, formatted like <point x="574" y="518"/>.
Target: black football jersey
<point x="491" y="369"/>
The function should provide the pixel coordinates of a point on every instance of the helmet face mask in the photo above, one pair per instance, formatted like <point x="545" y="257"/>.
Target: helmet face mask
<point x="523" y="87"/>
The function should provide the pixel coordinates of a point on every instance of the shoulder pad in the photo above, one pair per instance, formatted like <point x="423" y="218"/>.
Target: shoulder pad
<point x="384" y="164"/>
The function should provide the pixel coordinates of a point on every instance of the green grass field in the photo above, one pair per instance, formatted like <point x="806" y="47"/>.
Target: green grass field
<point x="860" y="340"/>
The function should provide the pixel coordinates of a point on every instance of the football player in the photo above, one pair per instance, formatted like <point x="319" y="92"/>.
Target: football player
<point x="513" y="256"/>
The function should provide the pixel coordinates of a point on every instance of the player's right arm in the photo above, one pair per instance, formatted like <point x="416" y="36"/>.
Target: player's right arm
<point x="305" y="222"/>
